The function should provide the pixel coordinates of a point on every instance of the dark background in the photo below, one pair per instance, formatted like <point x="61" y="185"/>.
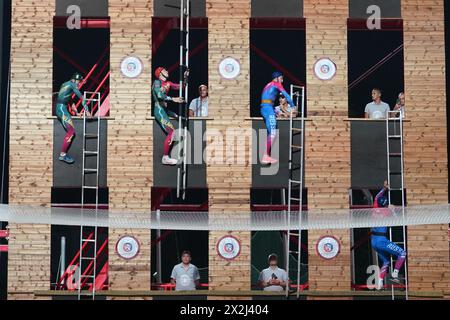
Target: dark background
<point x="169" y="8"/>
<point x="78" y="51"/>
<point x="166" y="53"/>
<point x="285" y="47"/>
<point x="173" y="244"/>
<point x="89" y="8"/>
<point x="365" y="49"/>
<point x="5" y="42"/>
<point x="279" y="8"/>
<point x="389" y="8"/>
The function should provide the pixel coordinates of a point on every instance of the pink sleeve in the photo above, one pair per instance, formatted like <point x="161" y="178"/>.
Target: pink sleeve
<point x="174" y="86"/>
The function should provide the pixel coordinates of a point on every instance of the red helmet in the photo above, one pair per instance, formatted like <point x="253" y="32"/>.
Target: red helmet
<point x="158" y="71"/>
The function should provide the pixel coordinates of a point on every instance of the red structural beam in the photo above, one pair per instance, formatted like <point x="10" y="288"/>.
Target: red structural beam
<point x="87" y="23"/>
<point x="4" y="234"/>
<point x="365" y="287"/>
<point x="276" y="65"/>
<point x="275" y="207"/>
<point x="278" y="23"/>
<point x="191" y="54"/>
<point x="91" y="264"/>
<point x="386" y="25"/>
<point x="72" y="263"/>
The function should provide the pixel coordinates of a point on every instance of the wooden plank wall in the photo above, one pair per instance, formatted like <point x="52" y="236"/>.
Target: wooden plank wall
<point x="327" y="141"/>
<point x="31" y="142"/>
<point x="130" y="140"/>
<point x="426" y="140"/>
<point x="229" y="184"/>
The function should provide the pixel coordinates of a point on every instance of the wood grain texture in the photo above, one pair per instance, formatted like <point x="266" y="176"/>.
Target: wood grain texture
<point x="130" y="142"/>
<point x="229" y="189"/>
<point x="327" y="140"/>
<point x="31" y="142"/>
<point x="426" y="171"/>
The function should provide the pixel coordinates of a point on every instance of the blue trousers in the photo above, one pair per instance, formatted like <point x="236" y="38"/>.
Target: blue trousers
<point x="385" y="248"/>
<point x="270" y="120"/>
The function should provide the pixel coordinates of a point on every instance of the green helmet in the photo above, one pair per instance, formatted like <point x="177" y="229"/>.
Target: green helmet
<point x="77" y="76"/>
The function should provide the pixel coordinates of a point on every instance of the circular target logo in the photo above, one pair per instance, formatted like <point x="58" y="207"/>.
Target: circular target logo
<point x="127" y="247"/>
<point x="325" y="69"/>
<point x="131" y="67"/>
<point x="229" y="68"/>
<point x="328" y="247"/>
<point x="229" y="248"/>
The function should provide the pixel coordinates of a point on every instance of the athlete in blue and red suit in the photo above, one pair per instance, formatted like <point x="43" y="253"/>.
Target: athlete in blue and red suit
<point x="269" y="94"/>
<point x="381" y="243"/>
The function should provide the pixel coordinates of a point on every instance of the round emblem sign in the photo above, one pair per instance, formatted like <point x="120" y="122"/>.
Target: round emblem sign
<point x="131" y="67"/>
<point x="229" y="68"/>
<point x="328" y="247"/>
<point x="325" y="69"/>
<point x="229" y="248"/>
<point x="127" y="247"/>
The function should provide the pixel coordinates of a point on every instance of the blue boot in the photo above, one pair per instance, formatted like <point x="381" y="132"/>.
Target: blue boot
<point x="67" y="159"/>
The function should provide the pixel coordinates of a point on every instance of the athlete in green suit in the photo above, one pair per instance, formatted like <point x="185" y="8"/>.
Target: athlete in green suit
<point x="62" y="113"/>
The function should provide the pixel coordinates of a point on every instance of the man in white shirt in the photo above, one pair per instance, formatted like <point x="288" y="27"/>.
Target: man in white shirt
<point x="199" y="106"/>
<point x="273" y="278"/>
<point x="185" y="276"/>
<point x="377" y="109"/>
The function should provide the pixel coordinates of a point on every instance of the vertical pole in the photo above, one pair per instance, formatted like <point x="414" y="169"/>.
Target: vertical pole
<point x="389" y="192"/>
<point x="403" y="204"/>
<point x="62" y="260"/>
<point x="181" y="95"/>
<point x="5" y="135"/>
<point x="302" y="153"/>
<point x="186" y="98"/>
<point x="158" y="249"/>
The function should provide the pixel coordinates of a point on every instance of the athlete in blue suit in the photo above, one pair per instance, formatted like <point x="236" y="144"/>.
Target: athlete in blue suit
<point x="269" y="94"/>
<point x="382" y="245"/>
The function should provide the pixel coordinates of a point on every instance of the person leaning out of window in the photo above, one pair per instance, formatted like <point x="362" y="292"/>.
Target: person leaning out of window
<point x="376" y="109"/>
<point x="199" y="106"/>
<point x="400" y="104"/>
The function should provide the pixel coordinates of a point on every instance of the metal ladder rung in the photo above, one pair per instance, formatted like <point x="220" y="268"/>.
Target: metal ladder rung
<point x="395" y="137"/>
<point x="87" y="276"/>
<point x="295" y="181"/>
<point x="90" y="170"/>
<point x="89" y="240"/>
<point x="394" y="189"/>
<point x="90" y="187"/>
<point x="87" y="258"/>
<point x="91" y="152"/>
<point x="295" y="199"/>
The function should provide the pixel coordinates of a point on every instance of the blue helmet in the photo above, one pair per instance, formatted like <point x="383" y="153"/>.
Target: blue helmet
<point x="276" y="74"/>
<point x="382" y="202"/>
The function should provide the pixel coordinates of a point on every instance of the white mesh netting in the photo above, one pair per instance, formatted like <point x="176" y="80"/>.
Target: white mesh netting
<point x="250" y="221"/>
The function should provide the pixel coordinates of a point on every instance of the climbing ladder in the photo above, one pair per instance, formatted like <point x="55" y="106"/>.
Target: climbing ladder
<point x="295" y="186"/>
<point x="88" y="235"/>
<point x="183" y="114"/>
<point x="395" y="174"/>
